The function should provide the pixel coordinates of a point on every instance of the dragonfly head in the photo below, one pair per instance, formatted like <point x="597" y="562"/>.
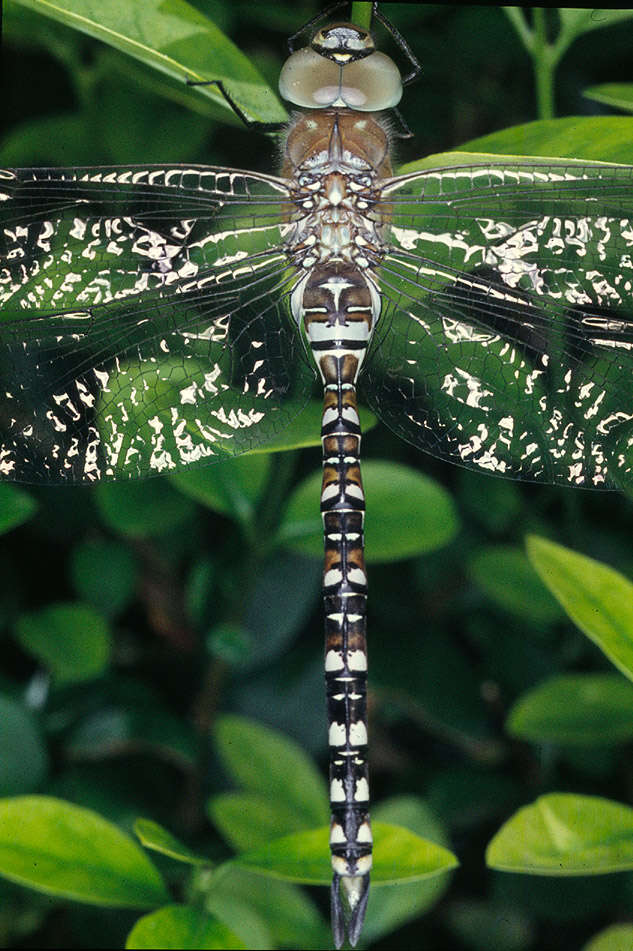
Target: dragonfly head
<point x="341" y="69"/>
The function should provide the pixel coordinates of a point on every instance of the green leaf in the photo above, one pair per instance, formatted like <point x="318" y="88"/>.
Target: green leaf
<point x="173" y="37"/>
<point x="597" y="598"/>
<point x="153" y="836"/>
<point x="265" y="912"/>
<point x="260" y="760"/>
<point x="600" y="138"/>
<point x="104" y="574"/>
<point x="581" y="21"/>
<point x="63" y="849"/>
<point x="181" y="926"/>
<point x="72" y="640"/>
<point x="232" y="488"/>
<point x="23" y="755"/>
<point x="507" y="577"/>
<point x="399" y="855"/>
<point x="614" y="938"/>
<point x="405" y="900"/>
<point x="151" y="507"/>
<point x="248" y="821"/>
<point x="586" y="709"/>
<point x="574" y="140"/>
<point x="618" y="95"/>
<point x="16" y="507"/>
<point x="565" y="834"/>
<point x="410" y="514"/>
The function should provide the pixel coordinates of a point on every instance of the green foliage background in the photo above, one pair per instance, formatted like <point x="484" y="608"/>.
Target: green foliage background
<point x="134" y="618"/>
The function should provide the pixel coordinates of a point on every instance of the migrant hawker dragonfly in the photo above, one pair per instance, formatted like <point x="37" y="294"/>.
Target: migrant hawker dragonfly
<point x="158" y="318"/>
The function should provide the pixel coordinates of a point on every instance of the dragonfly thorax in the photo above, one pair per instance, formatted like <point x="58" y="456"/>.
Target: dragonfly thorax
<point x="335" y="161"/>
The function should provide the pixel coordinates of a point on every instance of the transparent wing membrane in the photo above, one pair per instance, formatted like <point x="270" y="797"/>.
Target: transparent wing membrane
<point x="145" y="324"/>
<point x="506" y="339"/>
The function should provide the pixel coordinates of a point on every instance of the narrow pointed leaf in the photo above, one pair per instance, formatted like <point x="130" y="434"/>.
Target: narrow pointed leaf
<point x="403" y="901"/>
<point x="618" y="95"/>
<point x="153" y="836"/>
<point x="399" y="855"/>
<point x="176" y="39"/>
<point x="565" y="834"/>
<point x="597" y="598"/>
<point x="62" y="849"/>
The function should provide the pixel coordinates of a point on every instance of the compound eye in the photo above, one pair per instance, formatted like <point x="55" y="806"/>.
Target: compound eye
<point x="375" y="80"/>
<point x="310" y="80"/>
<point x="315" y="82"/>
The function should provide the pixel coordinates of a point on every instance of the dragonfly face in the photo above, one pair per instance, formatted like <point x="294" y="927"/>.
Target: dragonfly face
<point x="153" y="320"/>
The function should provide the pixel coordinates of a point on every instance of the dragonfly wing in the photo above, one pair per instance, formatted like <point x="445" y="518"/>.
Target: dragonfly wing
<point x="144" y="322"/>
<point x="506" y="338"/>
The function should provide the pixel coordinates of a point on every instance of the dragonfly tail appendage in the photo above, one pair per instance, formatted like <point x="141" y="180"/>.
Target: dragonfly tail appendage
<point x="349" y="897"/>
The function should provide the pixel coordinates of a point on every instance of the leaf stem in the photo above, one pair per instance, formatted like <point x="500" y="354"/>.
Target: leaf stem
<point x="544" y="66"/>
<point x="361" y="13"/>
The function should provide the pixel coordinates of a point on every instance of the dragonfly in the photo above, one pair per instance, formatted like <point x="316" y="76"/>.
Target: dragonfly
<point x="157" y="318"/>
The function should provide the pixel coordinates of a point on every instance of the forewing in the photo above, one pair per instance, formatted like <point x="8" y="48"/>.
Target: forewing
<point x="144" y="323"/>
<point x="505" y="341"/>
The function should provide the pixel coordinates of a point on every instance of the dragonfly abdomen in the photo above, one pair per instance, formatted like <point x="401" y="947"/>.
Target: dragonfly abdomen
<point x="338" y="307"/>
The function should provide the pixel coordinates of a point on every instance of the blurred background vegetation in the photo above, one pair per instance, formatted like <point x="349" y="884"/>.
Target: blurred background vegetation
<point x="456" y="635"/>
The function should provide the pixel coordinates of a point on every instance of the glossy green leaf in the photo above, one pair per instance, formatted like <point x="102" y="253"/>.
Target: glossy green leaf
<point x="597" y="598"/>
<point x="507" y="577"/>
<point x="586" y="709"/>
<point x="409" y="514"/>
<point x="595" y="138"/>
<point x="23" y="754"/>
<point x="565" y="834"/>
<point x="260" y="760"/>
<point x="578" y="21"/>
<point x="231" y="488"/>
<point x="72" y="640"/>
<point x="396" y="904"/>
<point x="265" y="912"/>
<point x="63" y="849"/>
<point x="151" y="507"/>
<point x="399" y="855"/>
<point x="614" y="938"/>
<point x="248" y="821"/>
<point x="181" y="926"/>
<point x="574" y="139"/>
<point x="16" y="507"/>
<point x="153" y="836"/>
<point x="173" y="37"/>
<point x="104" y="574"/>
<point x="618" y="95"/>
